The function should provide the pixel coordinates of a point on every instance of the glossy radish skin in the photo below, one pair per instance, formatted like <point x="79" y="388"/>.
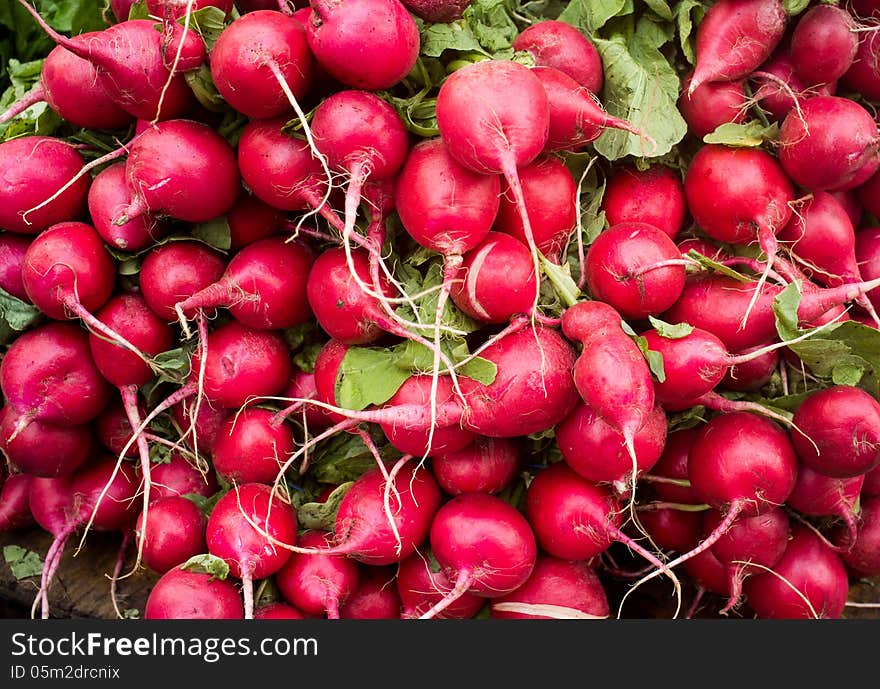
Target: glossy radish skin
<point x="824" y="44"/>
<point x="673" y="463"/>
<point x="33" y="168"/>
<point x="278" y="611"/>
<point x="654" y="196"/>
<point x="816" y="495"/>
<point x="553" y="43"/>
<point x="109" y="195"/>
<point x="327" y="365"/>
<point x="205" y="419"/>
<point x="843" y="422"/>
<point x="863" y="76"/>
<point x="44" y="449"/>
<point x="248" y="448"/>
<point x="181" y="595"/>
<point x="13" y="248"/>
<point x="177" y="477"/>
<point x="760" y="539"/>
<point x="816" y="573"/>
<point x="15" y="511"/>
<point x="712" y="104"/>
<point x="867" y="251"/>
<point x="863" y="555"/>
<point x="673" y="529"/>
<point x="751" y="375"/>
<point x="375" y="598"/>
<point x="772" y="96"/>
<point x="251" y="220"/>
<point x="487" y="465"/>
<point x="556" y="589"/>
<point x="421" y="583"/>
<point x="175" y="271"/>
<point x="174" y="531"/>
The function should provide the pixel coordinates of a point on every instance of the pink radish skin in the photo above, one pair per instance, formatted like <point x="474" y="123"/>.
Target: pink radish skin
<point x="654" y="196"/>
<point x="871" y="487"/>
<point x="550" y="195"/>
<point x="278" y="611"/>
<point x="849" y="446"/>
<point x="375" y="598"/>
<point x="48" y="374"/>
<point x="496" y="280"/>
<point x="816" y="495"/>
<point x="809" y="571"/>
<point x="421" y="584"/>
<point x="121" y="9"/>
<point x="318" y="584"/>
<point x="823" y="44"/>
<point x="867" y="250"/>
<point x="829" y="143"/>
<point x="596" y="451"/>
<point x="242" y="60"/>
<point x="109" y="195"/>
<point x="175" y="9"/>
<point x="712" y="104"/>
<point x="183" y="169"/>
<point x="249" y="448"/>
<point x="183" y="50"/>
<point x="864" y="75"/>
<point x="327" y="365"/>
<point x="302" y="386"/>
<point x="751" y="375"/>
<point x="173" y="533"/>
<point x="553" y="43"/>
<point x="861" y="555"/>
<point x="34" y="168"/>
<point x="250" y="220"/>
<point x="174" y="272"/>
<point x="487" y="465"/>
<point x="182" y="595"/>
<point x="673" y="464"/>
<point x="771" y="93"/>
<point x="673" y="529"/>
<point x="205" y="426"/>
<point x="263" y="286"/>
<point x="177" y="477"/>
<point x="44" y="449"/>
<point x="708" y="573"/>
<point x="556" y="589"/>
<point x="868" y="196"/>
<point x="13" y="248"/>
<point x="15" y="510"/>
<point x="614" y="270"/>
<point x="735" y="37"/>
<point x="113" y="428"/>
<point x="484" y="546"/>
<point x="70" y="86"/>
<point x="335" y="36"/>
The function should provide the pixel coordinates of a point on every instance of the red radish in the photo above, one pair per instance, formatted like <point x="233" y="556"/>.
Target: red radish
<point x="277" y="611"/>
<point x="864" y="75"/>
<point x="702" y="246"/>
<point x="712" y="104"/>
<point x="483" y="545"/>
<point x="553" y="43"/>
<point x="849" y="446"/>
<point x="860" y="551"/>
<point x="44" y="449"/>
<point x="550" y="195"/>
<point x="375" y="598"/>
<point x="871" y="486"/>
<point x="71" y="87"/>
<point x="673" y="529"/>
<point x="816" y="495"/>
<point x="263" y="286"/>
<point x="13" y="248"/>
<point x="809" y="581"/>
<point x="183" y="49"/>
<point x="867" y="251"/>
<point x="557" y="589"/>
<point x="183" y="169"/>
<point x="829" y="143"/>
<point x="244" y="529"/>
<point x="15" y="510"/>
<point x="868" y="195"/>
<point x="109" y="195"/>
<point x="48" y="375"/>
<point x="249" y="449"/>
<point x="669" y="475"/>
<point x="749" y="376"/>
<point x="778" y="88"/>
<point x="654" y="196"/>
<point x="258" y="59"/>
<point x="327" y="365"/>
<point x="596" y="451"/>
<point x="318" y="584"/>
<point x="615" y="269"/>
<point x="198" y="421"/>
<point x="172" y="534"/>
<point x="865" y="9"/>
<point x="823" y="44"/>
<point x="496" y="280"/>
<point x="33" y="169"/>
<point x="421" y="584"/>
<point x="250" y="220"/>
<point x="708" y="573"/>
<point x="183" y="595"/>
<point x="335" y="35"/>
<point x="487" y="465"/>
<point x="735" y="37"/>
<point x="128" y="60"/>
<point x="121" y="9"/>
<point x="175" y="9"/>
<point x="302" y="387"/>
<point x="435" y="11"/>
<point x="177" y="477"/>
<point x="175" y="271"/>
<point x="113" y="429"/>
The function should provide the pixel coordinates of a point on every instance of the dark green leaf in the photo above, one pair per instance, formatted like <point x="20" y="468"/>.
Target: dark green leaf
<point x="491" y="24"/>
<point x="139" y="10"/>
<point x="208" y="22"/>
<point x="344" y="457"/>
<point x="202" y="85"/>
<point x="457" y="35"/>
<point x="669" y="331"/>
<point x="661" y="9"/>
<point x="23" y="563"/>
<point x="215" y="233"/>
<point x="205" y="504"/>
<point x="207" y="564"/>
<point x="321" y="516"/>
<point x="688" y="14"/>
<point x="368" y="376"/>
<point x="16" y="314"/>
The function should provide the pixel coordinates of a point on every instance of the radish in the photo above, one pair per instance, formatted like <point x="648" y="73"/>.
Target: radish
<point x="183" y="49"/>
<point x="860" y="551"/>
<point x="13" y="248"/>
<point x="108" y="196"/>
<point x="318" y="584"/>
<point x="183" y="169"/>
<point x="263" y="286"/>
<point x="421" y="584"/>
<point x="708" y="573"/>
<point x="15" y="510"/>
<point x="174" y="533"/>
<point x="816" y="495"/>
<point x="33" y="169"/>
<point x="113" y="429"/>
<point x="177" y="477"/>
<point x="175" y="271"/>
<point x="778" y="88"/>
<point x="615" y="270"/>
<point x="487" y="465"/>
<point x="250" y="220"/>
<point x="243" y="529"/>
<point x="70" y="86"/>
<point x="335" y="34"/>
<point x="175" y="9"/>
<point x="823" y="44"/>
<point x="849" y="446"/>
<point x="712" y="104"/>
<point x="258" y="60"/>
<point x="864" y="75"/>
<point x="871" y="486"/>
<point x="672" y="528"/>
<point x="248" y="448"/>
<point x="375" y="598"/>
<point x="830" y="143"/>
<point x="750" y="376"/>
<point x="44" y="449"/>
<point x="483" y="545"/>
<point x="128" y="60"/>
<point x="809" y="581"/>
<point x="277" y="611"/>
<point x="735" y="37"/>
<point x="121" y="9"/>
<point x="183" y="595"/>
<point x="654" y="196"/>
<point x="441" y="11"/>
<point x="867" y="250"/>
<point x="553" y="43"/>
<point x="868" y="197"/>
<point x="669" y="476"/>
<point x="557" y="589"/>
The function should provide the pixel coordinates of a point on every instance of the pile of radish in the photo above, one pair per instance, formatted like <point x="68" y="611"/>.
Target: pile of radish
<point x="432" y="309"/>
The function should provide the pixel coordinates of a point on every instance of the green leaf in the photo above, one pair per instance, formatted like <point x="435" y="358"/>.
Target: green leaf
<point x="688" y="14"/>
<point x="345" y="457"/>
<point x="209" y="22"/>
<point x="215" y="233"/>
<point x="687" y="418"/>
<point x="23" y="563"/>
<point x="16" y="314"/>
<point x="669" y="331"/>
<point x="837" y="353"/>
<point x="457" y="35"/>
<point x="207" y="564"/>
<point x="847" y="373"/>
<point x="654" y="359"/>
<point x="492" y="26"/>
<point x="139" y="10"/>
<point x="205" y="504"/>
<point x="321" y="516"/>
<point x="661" y="9"/>
<point x="131" y="614"/>
<point x="560" y="276"/>
<point x="368" y="376"/>
<point x="591" y="15"/>
<point x="172" y="365"/>
<point x="716" y="267"/>
<point x="202" y="85"/>
<point x="794" y="7"/>
<point x="785" y="308"/>
<point x="750" y="134"/>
